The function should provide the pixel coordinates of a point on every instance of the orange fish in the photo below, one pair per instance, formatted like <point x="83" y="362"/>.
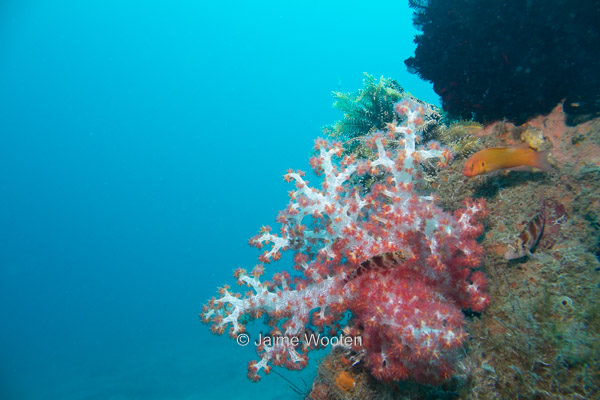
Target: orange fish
<point x="518" y="157"/>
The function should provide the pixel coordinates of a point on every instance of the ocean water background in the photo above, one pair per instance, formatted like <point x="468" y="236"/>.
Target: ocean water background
<point x="142" y="144"/>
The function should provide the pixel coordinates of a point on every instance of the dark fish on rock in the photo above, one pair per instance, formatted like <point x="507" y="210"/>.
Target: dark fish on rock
<point x="528" y="240"/>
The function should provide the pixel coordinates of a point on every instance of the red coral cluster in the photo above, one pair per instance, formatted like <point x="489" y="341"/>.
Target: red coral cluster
<point x="400" y="264"/>
<point x="409" y="309"/>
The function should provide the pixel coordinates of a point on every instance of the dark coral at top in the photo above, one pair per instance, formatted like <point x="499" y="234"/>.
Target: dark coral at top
<point x="514" y="59"/>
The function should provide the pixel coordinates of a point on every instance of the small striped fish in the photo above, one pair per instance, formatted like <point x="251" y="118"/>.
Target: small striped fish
<point x="528" y="239"/>
<point x="380" y="262"/>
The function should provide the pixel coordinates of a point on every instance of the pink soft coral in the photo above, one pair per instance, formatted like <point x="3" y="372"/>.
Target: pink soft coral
<point x="401" y="265"/>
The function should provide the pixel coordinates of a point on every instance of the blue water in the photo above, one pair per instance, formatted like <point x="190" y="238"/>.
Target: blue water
<point x="142" y="144"/>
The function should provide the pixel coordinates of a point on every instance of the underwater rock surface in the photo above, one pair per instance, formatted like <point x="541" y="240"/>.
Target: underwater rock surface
<point x="540" y="337"/>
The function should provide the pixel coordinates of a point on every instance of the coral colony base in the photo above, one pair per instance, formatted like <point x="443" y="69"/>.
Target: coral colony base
<point x="402" y="266"/>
